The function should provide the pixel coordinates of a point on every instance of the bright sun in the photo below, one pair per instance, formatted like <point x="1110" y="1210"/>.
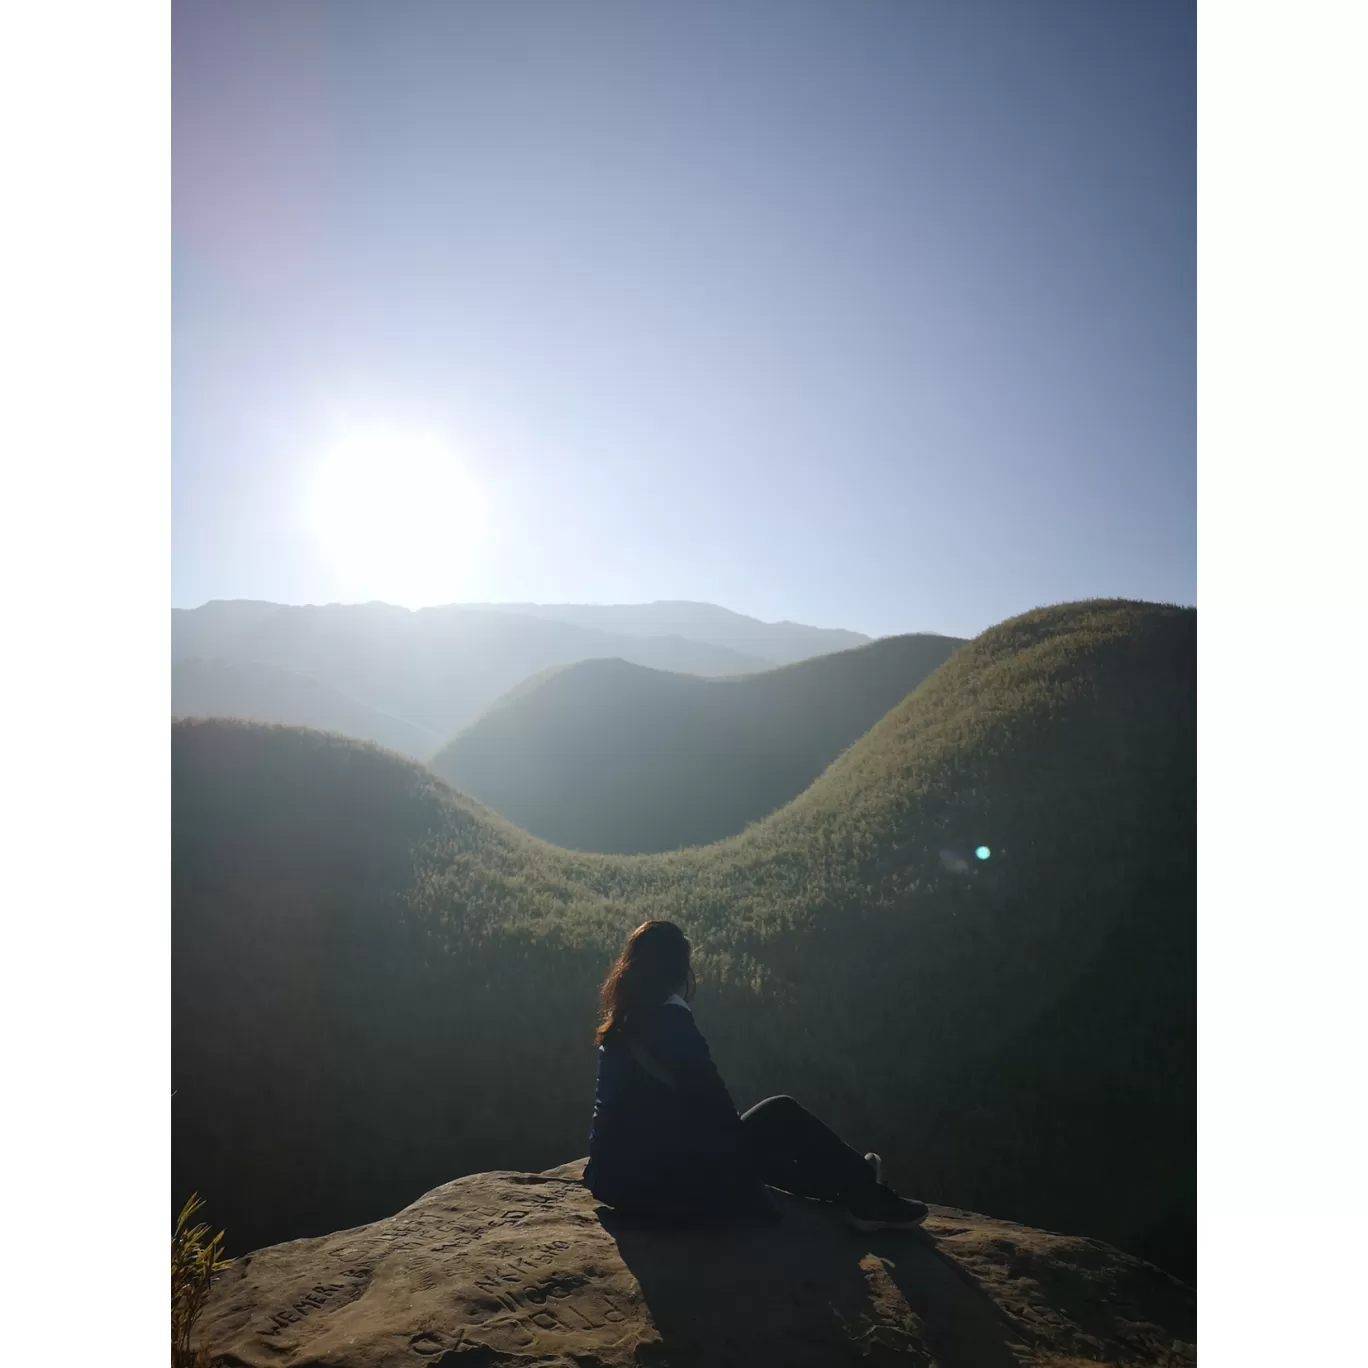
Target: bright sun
<point x="397" y="516"/>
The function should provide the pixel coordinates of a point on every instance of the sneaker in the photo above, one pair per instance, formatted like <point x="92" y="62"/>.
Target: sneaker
<point x="878" y="1207"/>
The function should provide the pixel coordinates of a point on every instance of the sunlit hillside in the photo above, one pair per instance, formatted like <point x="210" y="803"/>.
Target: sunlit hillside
<point x="379" y="984"/>
<point x="605" y="755"/>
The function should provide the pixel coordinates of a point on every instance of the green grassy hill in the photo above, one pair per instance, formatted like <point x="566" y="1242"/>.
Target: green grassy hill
<point x="379" y="985"/>
<point x="605" y="755"/>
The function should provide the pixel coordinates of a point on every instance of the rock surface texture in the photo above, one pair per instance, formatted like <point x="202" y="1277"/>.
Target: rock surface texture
<point x="519" y="1268"/>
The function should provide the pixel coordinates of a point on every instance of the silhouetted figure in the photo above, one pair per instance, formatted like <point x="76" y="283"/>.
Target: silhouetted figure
<point x="666" y="1141"/>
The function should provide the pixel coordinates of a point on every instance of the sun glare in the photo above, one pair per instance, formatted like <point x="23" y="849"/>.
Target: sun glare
<point x="397" y="516"/>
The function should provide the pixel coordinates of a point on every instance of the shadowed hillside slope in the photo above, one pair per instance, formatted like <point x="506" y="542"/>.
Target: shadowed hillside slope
<point x="265" y="693"/>
<point x="378" y="984"/>
<point x="604" y="755"/>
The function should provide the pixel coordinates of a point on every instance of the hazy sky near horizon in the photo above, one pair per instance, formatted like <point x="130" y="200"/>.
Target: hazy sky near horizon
<point x="878" y="315"/>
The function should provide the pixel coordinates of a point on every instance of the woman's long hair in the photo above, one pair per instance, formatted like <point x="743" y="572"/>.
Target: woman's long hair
<point x="653" y="964"/>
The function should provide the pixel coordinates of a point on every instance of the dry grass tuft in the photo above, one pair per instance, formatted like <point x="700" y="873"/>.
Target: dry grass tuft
<point x="194" y="1260"/>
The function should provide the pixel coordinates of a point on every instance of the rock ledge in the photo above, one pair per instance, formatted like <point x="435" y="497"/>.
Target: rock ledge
<point x="522" y="1269"/>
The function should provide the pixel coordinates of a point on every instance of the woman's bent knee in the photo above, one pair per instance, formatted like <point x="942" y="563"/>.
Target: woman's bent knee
<point x="772" y="1106"/>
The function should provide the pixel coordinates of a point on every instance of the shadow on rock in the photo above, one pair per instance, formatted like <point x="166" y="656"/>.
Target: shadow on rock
<point x="806" y="1291"/>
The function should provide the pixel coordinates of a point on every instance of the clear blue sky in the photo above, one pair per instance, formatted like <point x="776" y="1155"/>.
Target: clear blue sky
<point x="875" y="314"/>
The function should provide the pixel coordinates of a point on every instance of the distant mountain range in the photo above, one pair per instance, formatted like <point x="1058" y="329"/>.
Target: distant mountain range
<point x="429" y="672"/>
<point x="777" y="643"/>
<point x="608" y="756"/>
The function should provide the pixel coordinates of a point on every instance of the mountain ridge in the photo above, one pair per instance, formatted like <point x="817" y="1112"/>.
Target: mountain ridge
<point x="782" y="642"/>
<point x="434" y="668"/>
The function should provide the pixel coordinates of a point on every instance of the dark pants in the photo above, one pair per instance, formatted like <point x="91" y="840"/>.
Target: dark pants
<point x="789" y="1148"/>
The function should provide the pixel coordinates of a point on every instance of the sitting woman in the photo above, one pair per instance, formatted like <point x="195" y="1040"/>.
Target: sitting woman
<point x="666" y="1140"/>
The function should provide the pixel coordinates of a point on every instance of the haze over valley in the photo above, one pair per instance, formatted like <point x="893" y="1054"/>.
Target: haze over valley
<point x="431" y="672"/>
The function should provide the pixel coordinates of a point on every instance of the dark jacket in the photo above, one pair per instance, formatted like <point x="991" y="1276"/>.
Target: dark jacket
<point x="653" y="1146"/>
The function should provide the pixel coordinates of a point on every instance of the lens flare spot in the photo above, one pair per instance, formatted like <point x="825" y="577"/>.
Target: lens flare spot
<point x="983" y="852"/>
